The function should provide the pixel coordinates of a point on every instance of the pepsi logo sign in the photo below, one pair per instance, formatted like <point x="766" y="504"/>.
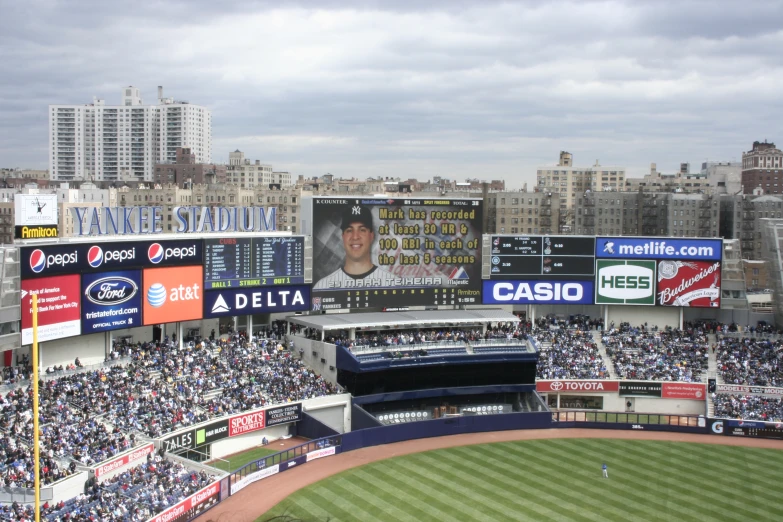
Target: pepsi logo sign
<point x="95" y="256"/>
<point x="39" y="260"/>
<point x="155" y="253"/>
<point x="111" y="290"/>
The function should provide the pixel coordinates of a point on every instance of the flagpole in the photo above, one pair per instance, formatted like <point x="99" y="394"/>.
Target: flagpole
<point x="36" y="449"/>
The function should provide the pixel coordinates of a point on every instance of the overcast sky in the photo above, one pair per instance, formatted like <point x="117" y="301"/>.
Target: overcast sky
<point x="460" y="89"/>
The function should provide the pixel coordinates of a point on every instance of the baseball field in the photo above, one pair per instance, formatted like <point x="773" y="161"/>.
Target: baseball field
<point x="553" y="479"/>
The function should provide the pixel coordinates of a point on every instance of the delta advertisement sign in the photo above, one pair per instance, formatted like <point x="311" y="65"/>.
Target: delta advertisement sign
<point x="247" y="301"/>
<point x="46" y="260"/>
<point x="59" y="310"/>
<point x="538" y="292"/>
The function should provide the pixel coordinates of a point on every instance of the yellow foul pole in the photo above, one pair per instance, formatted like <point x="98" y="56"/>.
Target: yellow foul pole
<point x="36" y="450"/>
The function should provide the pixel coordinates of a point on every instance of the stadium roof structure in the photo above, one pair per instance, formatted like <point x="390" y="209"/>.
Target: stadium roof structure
<point x="410" y="319"/>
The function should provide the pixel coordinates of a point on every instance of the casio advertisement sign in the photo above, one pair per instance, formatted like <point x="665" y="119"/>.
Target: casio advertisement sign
<point x="247" y="301"/>
<point x="111" y="301"/>
<point x="538" y="292"/>
<point x="73" y="258"/>
<point x="625" y="282"/>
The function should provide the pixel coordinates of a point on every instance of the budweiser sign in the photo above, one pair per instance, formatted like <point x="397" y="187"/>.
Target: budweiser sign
<point x="694" y="284"/>
<point x="576" y="386"/>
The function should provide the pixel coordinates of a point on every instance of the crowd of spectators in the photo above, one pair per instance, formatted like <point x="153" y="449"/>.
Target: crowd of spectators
<point x="90" y="416"/>
<point x="753" y="361"/>
<point x="748" y="407"/>
<point x="568" y="354"/>
<point x="132" y="496"/>
<point x="645" y="354"/>
<point x="397" y="338"/>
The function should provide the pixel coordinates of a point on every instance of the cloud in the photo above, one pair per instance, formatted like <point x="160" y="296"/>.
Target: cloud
<point x="480" y="89"/>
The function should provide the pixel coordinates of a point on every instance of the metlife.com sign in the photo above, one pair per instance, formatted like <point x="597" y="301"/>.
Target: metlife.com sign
<point x="538" y="292"/>
<point x="658" y="248"/>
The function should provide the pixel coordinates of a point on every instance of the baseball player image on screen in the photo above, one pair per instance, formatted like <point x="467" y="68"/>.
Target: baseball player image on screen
<point x="358" y="270"/>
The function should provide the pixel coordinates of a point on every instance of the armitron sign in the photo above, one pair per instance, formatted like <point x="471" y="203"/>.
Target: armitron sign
<point x="36" y="232"/>
<point x="573" y="386"/>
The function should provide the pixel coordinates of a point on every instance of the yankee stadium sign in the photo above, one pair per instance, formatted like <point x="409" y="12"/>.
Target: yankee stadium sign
<point x="103" y="221"/>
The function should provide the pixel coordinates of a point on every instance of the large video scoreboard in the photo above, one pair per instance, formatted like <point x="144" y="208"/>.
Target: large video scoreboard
<point x="253" y="261"/>
<point x="389" y="253"/>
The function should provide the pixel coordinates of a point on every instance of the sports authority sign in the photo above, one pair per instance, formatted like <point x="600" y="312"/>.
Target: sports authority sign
<point x="129" y="458"/>
<point x="246" y="423"/>
<point x="624" y="282"/>
<point x="684" y="391"/>
<point x="695" y="284"/>
<point x="59" y="308"/>
<point x="573" y="386"/>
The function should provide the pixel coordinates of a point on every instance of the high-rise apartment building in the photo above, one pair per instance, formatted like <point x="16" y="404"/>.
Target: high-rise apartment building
<point x="572" y="182"/>
<point x="124" y="142"/>
<point x="762" y="168"/>
<point x="248" y="174"/>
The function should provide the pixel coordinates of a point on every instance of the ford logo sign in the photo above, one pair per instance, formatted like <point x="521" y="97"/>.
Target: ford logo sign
<point x="111" y="290"/>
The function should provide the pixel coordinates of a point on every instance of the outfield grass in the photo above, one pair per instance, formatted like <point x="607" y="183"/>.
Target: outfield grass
<point x="240" y="459"/>
<point x="557" y="479"/>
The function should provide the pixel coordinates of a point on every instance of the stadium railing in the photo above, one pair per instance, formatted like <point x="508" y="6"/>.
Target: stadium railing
<point x="284" y="460"/>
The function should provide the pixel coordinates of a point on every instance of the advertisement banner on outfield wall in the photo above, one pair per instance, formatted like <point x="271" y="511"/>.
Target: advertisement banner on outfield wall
<point x="59" y="307"/>
<point x="192" y="506"/>
<point x="641" y="388"/>
<point x="658" y="248"/>
<point x="694" y="284"/>
<point x="684" y="391"/>
<point x="284" y="414"/>
<point x="128" y="458"/>
<point x="749" y="390"/>
<point x="558" y="386"/>
<point x="538" y="292"/>
<point x="111" y="301"/>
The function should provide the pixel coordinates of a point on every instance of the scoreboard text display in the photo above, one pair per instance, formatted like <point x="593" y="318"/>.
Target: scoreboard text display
<point x="258" y="261"/>
<point x="380" y="252"/>
<point x="542" y="257"/>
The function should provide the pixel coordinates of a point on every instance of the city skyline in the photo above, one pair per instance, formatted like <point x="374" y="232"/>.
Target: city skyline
<point x="457" y="89"/>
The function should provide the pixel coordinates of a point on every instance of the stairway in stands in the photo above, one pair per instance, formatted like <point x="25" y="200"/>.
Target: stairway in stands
<point x="602" y="349"/>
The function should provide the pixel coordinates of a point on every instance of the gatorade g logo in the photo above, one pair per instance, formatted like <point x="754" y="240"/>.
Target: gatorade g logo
<point x="717" y="427"/>
<point x="625" y="282"/>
